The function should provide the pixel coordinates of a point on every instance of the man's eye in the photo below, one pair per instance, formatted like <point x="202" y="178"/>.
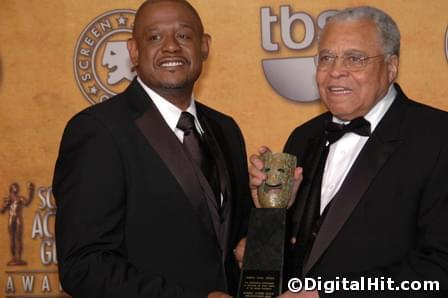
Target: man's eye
<point x="154" y="37"/>
<point x="326" y="59"/>
<point x="354" y="59"/>
<point x="267" y="170"/>
<point x="183" y="36"/>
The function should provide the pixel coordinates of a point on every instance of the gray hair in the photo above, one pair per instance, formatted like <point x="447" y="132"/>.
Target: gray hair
<point x="387" y="28"/>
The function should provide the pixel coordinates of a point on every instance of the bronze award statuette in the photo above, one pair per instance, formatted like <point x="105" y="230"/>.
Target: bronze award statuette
<point x="261" y="276"/>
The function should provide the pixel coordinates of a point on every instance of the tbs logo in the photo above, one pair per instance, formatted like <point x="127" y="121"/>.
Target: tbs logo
<point x="292" y="78"/>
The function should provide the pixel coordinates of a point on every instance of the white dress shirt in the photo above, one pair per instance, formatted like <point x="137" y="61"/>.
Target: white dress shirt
<point x="343" y="153"/>
<point x="170" y="112"/>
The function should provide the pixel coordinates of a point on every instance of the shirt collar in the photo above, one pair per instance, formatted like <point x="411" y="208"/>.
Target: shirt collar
<point x="169" y="111"/>
<point x="376" y="113"/>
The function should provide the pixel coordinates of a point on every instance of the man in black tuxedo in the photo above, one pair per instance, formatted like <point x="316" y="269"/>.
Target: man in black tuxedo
<point x="373" y="200"/>
<point x="152" y="186"/>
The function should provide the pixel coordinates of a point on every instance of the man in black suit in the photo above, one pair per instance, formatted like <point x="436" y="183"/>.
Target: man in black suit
<point x="152" y="186"/>
<point x="373" y="200"/>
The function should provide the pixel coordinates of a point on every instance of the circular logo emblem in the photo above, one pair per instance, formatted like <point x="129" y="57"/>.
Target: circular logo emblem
<point x="101" y="60"/>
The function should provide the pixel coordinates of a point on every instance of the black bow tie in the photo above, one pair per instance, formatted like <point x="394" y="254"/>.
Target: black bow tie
<point x="335" y="131"/>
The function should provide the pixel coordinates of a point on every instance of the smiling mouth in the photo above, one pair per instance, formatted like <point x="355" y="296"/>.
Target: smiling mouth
<point x="272" y="187"/>
<point x="172" y="63"/>
<point x="339" y="90"/>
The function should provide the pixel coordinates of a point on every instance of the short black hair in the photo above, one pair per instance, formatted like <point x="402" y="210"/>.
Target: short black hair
<point x="186" y="3"/>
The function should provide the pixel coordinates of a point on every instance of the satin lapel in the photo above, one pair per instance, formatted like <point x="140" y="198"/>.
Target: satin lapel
<point x="310" y="163"/>
<point x="371" y="159"/>
<point x="165" y="143"/>
<point x="351" y="191"/>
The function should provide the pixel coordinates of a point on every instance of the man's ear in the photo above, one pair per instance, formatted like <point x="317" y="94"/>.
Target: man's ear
<point x="392" y="68"/>
<point x="133" y="51"/>
<point x="205" y="45"/>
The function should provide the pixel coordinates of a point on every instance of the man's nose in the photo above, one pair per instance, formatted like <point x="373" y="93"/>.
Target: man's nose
<point x="338" y="68"/>
<point x="171" y="44"/>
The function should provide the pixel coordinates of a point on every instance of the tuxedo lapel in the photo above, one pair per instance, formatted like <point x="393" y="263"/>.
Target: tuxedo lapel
<point x="311" y="158"/>
<point x="344" y="202"/>
<point x="371" y="159"/>
<point x="170" y="150"/>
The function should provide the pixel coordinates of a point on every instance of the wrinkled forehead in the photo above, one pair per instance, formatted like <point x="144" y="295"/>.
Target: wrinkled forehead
<point x="349" y="35"/>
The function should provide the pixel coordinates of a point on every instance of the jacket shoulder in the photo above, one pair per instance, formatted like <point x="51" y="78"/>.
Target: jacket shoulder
<point x="212" y="113"/>
<point x="312" y="128"/>
<point x="301" y="135"/>
<point x="109" y="113"/>
<point x="220" y="118"/>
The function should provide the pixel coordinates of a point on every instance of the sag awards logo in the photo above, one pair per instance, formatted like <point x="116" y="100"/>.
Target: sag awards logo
<point x="13" y="205"/>
<point x="101" y="61"/>
<point x="29" y="277"/>
<point x="293" y="78"/>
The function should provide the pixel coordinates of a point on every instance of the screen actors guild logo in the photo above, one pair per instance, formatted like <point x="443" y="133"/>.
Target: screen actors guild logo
<point x="101" y="61"/>
<point x="14" y="204"/>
